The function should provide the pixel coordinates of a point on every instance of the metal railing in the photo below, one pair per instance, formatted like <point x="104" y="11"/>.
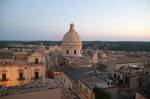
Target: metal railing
<point x="21" y="79"/>
<point x="4" y="79"/>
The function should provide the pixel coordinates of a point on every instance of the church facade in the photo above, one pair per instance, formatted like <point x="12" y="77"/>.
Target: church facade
<point x="22" y="68"/>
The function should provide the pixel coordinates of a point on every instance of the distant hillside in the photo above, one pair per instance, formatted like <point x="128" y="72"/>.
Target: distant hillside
<point x="103" y="45"/>
<point x="118" y="45"/>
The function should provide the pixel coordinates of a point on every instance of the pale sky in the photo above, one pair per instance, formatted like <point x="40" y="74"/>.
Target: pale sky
<point x="104" y="20"/>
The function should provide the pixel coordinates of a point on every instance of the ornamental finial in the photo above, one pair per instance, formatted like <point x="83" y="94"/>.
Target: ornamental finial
<point x="71" y="27"/>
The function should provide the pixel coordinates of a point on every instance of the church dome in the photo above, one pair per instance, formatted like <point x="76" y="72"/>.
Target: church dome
<point x="72" y="37"/>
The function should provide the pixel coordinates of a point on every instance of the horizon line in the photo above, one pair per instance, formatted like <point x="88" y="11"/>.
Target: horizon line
<point x="82" y="40"/>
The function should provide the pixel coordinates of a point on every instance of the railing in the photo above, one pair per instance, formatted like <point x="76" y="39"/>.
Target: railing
<point x="4" y="79"/>
<point x="39" y="63"/>
<point x="34" y="78"/>
<point x="21" y="79"/>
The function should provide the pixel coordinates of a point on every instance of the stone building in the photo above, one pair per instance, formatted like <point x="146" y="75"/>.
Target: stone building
<point x="22" y="68"/>
<point x="126" y="62"/>
<point x="86" y="87"/>
<point x="72" y="44"/>
<point x="34" y="90"/>
<point x="95" y="57"/>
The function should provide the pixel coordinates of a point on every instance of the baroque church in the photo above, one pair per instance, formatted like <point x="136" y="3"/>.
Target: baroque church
<point x="72" y="44"/>
<point x="71" y="51"/>
<point x="23" y="67"/>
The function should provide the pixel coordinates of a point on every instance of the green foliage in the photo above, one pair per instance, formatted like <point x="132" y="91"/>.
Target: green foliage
<point x="102" y="45"/>
<point x="118" y="45"/>
<point x="101" y="94"/>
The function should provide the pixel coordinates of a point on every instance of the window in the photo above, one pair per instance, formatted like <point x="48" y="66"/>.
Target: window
<point x="36" y="75"/>
<point x="115" y="75"/>
<point x="75" y="52"/>
<point x="36" y="61"/>
<point x="146" y="72"/>
<point x="67" y="52"/>
<point x="4" y="77"/>
<point x="21" y="76"/>
<point x="108" y="83"/>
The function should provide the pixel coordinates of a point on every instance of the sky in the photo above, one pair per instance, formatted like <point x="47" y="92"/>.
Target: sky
<point x="102" y="20"/>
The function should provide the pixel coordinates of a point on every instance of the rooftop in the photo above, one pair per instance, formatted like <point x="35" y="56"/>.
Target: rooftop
<point x="20" y="57"/>
<point x="129" y="60"/>
<point x="95" y="81"/>
<point x="31" y="87"/>
<point x="78" y="73"/>
<point x="6" y="54"/>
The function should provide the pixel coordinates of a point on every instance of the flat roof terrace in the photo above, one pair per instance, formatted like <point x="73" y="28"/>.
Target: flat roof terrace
<point x="37" y="85"/>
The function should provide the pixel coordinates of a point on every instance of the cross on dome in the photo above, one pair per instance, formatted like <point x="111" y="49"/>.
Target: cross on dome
<point x="72" y="27"/>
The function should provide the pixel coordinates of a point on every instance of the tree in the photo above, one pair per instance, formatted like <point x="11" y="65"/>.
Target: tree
<point x="101" y="94"/>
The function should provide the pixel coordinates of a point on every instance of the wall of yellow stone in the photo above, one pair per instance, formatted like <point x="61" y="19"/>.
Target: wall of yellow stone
<point x="12" y="74"/>
<point x="12" y="71"/>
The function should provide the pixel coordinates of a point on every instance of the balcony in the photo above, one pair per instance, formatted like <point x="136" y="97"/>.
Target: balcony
<point x="39" y="63"/>
<point x="21" y="79"/>
<point x="4" y="79"/>
<point x="34" y="78"/>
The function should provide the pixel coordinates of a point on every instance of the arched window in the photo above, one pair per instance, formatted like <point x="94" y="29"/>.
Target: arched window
<point x="75" y="52"/>
<point x="36" y="61"/>
<point x="67" y="52"/>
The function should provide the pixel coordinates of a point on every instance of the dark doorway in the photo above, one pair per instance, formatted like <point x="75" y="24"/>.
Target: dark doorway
<point x="67" y="52"/>
<point x="75" y="52"/>
<point x="21" y="76"/>
<point x="36" y="61"/>
<point x="36" y="75"/>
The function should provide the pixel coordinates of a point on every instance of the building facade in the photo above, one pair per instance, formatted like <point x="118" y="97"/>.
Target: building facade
<point x="22" y="69"/>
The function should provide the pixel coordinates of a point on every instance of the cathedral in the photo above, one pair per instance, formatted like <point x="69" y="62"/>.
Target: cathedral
<point x="70" y="53"/>
<point x="72" y="49"/>
<point x="72" y="44"/>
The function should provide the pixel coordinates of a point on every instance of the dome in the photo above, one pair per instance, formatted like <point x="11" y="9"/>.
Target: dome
<point x="72" y="37"/>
